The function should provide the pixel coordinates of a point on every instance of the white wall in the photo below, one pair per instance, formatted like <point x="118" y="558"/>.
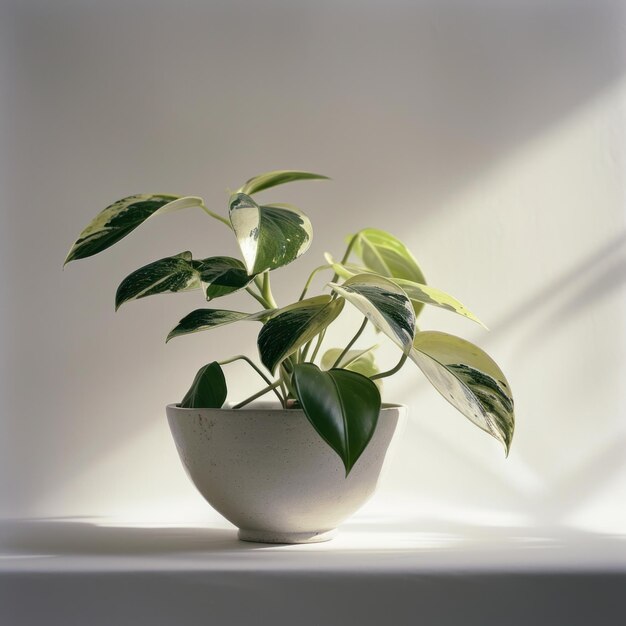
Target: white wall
<point x="489" y="135"/>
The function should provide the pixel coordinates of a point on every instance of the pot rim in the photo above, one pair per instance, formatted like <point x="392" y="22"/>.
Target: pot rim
<point x="266" y="407"/>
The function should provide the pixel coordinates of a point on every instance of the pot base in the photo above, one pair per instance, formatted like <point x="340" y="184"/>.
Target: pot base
<point x="269" y="536"/>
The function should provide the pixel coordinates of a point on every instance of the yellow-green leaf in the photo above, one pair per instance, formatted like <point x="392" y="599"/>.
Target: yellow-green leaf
<point x="359" y="361"/>
<point x="386" y="255"/>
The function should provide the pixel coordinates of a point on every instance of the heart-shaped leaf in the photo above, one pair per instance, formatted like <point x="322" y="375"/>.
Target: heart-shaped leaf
<point x="386" y="255"/>
<point x="383" y="303"/>
<point x="359" y="361"/>
<point x="278" y="177"/>
<point x="168" y="275"/>
<point x="221" y="275"/>
<point x="121" y="218"/>
<point x="469" y="379"/>
<point x="208" y="390"/>
<point x="203" y="319"/>
<point x="291" y="328"/>
<point x="268" y="236"/>
<point x="342" y="406"/>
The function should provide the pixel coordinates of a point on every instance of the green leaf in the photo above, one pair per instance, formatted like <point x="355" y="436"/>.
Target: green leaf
<point x="359" y="361"/>
<point x="469" y="379"/>
<point x="269" y="236"/>
<point x="383" y="303"/>
<point x="278" y="177"/>
<point x="203" y="319"/>
<point x="419" y="294"/>
<point x="121" y="218"/>
<point x="424" y="294"/>
<point x="290" y="328"/>
<point x="221" y="275"/>
<point x="168" y="275"/>
<point x="386" y="255"/>
<point x="208" y="390"/>
<point x="342" y="406"/>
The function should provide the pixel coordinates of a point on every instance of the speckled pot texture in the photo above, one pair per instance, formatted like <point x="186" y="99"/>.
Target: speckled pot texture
<point x="268" y="472"/>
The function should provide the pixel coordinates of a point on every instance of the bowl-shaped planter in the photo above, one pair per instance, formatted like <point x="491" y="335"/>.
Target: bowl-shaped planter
<point x="268" y="472"/>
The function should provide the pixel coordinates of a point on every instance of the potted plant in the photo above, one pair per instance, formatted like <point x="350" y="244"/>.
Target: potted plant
<point x="293" y="471"/>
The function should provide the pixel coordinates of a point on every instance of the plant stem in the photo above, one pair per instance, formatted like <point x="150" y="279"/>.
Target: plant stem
<point x="320" y="338"/>
<point x="393" y="370"/>
<point x="305" y="351"/>
<point x="267" y="290"/>
<point x="284" y="391"/>
<point x="352" y="342"/>
<point x="258" y="298"/>
<point x="258" y="394"/>
<point x="285" y="377"/>
<point x="346" y="256"/>
<point x="310" y="279"/>
<point x="242" y="357"/>
<point x="216" y="216"/>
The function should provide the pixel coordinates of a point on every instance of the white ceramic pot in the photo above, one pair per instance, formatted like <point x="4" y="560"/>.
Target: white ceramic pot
<point x="268" y="472"/>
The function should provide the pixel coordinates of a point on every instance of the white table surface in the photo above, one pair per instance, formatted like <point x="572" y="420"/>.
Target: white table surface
<point x="96" y="571"/>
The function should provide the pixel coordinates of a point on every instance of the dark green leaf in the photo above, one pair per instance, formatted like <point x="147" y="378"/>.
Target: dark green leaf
<point x="121" y="218"/>
<point x="168" y="275"/>
<point x="203" y="319"/>
<point x="221" y="275"/>
<point x="342" y="406"/>
<point x="383" y="303"/>
<point x="469" y="379"/>
<point x="290" y="329"/>
<point x="208" y="390"/>
<point x="278" y="177"/>
<point x="269" y="236"/>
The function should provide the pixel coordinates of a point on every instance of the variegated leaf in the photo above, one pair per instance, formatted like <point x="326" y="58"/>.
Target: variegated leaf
<point x="171" y="274"/>
<point x="290" y="329"/>
<point x="425" y="294"/>
<point x="469" y="379"/>
<point x="419" y="294"/>
<point x="221" y="275"/>
<point x="121" y="218"/>
<point x="383" y="303"/>
<point x="203" y="319"/>
<point x="268" y="236"/>
<point x="278" y="177"/>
